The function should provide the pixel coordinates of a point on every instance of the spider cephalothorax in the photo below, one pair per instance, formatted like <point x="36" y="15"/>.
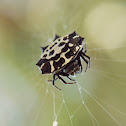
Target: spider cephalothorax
<point x="62" y="57"/>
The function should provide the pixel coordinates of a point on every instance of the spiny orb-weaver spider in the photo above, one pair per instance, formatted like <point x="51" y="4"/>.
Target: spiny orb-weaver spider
<point x="63" y="57"/>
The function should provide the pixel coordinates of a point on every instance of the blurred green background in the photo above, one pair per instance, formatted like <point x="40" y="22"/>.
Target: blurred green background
<point x="27" y="99"/>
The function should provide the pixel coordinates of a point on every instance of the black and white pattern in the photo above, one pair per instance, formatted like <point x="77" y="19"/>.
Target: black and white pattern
<point x="62" y="57"/>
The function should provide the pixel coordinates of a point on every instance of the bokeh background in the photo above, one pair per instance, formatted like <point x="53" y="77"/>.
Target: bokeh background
<point x="27" y="99"/>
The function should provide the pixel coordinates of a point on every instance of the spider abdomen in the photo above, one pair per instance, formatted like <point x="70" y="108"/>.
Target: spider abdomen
<point x="62" y="57"/>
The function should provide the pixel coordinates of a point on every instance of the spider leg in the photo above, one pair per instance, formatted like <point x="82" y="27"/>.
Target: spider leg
<point x="85" y="49"/>
<point x="54" y="79"/>
<point x="70" y="78"/>
<point x="85" y="61"/>
<point x="79" y="62"/>
<point x="64" y="80"/>
<point x="86" y="56"/>
<point x="66" y="75"/>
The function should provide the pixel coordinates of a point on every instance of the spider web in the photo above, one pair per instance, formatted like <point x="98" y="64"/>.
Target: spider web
<point x="106" y="107"/>
<point x="84" y="99"/>
<point x="97" y="99"/>
<point x="89" y="102"/>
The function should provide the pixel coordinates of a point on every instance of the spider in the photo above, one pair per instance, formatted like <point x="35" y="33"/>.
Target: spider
<point x="63" y="57"/>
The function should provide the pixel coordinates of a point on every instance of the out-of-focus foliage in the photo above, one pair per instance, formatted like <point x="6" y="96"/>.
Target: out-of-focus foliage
<point x="25" y="96"/>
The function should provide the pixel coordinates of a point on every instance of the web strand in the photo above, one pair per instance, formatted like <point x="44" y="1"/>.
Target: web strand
<point x="95" y="71"/>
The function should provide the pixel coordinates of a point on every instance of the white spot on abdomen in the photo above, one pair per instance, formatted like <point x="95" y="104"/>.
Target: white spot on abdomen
<point x="77" y="48"/>
<point x="52" y="67"/>
<point x="70" y="44"/>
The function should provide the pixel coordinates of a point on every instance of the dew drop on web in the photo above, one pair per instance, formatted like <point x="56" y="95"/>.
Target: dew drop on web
<point x="55" y="123"/>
